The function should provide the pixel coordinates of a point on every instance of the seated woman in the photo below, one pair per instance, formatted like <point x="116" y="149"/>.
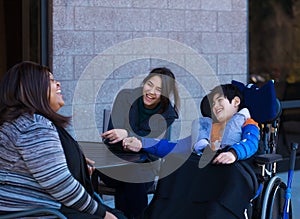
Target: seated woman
<point x="36" y="170"/>
<point x="145" y="111"/>
<point x="209" y="191"/>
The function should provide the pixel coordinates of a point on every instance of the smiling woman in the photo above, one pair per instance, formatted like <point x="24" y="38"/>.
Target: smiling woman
<point x="41" y="165"/>
<point x="140" y="112"/>
<point x="134" y="110"/>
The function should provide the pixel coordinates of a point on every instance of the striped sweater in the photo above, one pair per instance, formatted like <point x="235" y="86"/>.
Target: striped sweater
<point x="33" y="169"/>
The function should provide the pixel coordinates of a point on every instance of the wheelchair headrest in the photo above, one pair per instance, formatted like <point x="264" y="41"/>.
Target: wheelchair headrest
<point x="261" y="102"/>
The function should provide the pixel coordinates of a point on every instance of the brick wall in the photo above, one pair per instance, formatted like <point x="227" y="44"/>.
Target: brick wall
<point x="102" y="46"/>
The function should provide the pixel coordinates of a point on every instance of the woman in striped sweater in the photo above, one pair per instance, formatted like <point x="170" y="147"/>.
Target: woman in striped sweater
<point x="33" y="168"/>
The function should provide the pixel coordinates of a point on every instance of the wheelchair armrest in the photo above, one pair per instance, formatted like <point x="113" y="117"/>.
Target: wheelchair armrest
<point x="34" y="212"/>
<point x="267" y="158"/>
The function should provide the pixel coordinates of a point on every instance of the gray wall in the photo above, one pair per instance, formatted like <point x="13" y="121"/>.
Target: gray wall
<point x="102" y="46"/>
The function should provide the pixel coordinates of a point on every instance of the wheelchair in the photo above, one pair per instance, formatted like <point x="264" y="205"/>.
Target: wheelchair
<point x="273" y="196"/>
<point x="270" y="197"/>
<point x="36" y="213"/>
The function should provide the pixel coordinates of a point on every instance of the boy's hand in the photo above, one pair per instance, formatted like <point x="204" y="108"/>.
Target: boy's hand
<point x="132" y="144"/>
<point x="225" y="158"/>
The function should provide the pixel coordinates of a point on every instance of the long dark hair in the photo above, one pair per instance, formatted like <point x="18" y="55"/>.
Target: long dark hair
<point x="25" y="89"/>
<point x="169" y="86"/>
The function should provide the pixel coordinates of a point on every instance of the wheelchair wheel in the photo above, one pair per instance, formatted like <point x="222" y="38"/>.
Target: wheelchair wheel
<point x="273" y="200"/>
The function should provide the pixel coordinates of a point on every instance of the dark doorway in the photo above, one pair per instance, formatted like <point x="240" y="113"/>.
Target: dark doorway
<point x="23" y="32"/>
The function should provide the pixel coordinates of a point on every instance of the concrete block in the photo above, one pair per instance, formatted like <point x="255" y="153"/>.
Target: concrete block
<point x="232" y="64"/>
<point x="239" y="42"/>
<point x="216" y="5"/>
<point x="167" y="20"/>
<point x="63" y="18"/>
<point x="234" y="21"/>
<point x="177" y="4"/>
<point x="63" y="68"/>
<point x="104" y="39"/>
<point x="216" y="43"/>
<point x="200" y="21"/>
<point x="193" y="4"/>
<point x="240" y="5"/>
<point x="95" y="18"/>
<point x="80" y="64"/>
<point x="150" y="3"/>
<point x="73" y="43"/>
<point x="112" y="3"/>
<point x="132" y="19"/>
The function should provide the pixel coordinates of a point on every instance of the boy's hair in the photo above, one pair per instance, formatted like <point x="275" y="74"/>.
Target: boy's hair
<point x="229" y="91"/>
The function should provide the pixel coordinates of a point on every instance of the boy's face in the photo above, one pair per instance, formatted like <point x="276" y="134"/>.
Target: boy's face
<point x="223" y="109"/>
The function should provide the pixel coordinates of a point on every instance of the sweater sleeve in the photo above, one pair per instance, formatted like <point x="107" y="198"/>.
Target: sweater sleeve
<point x="42" y="152"/>
<point x="157" y="147"/>
<point x="249" y="141"/>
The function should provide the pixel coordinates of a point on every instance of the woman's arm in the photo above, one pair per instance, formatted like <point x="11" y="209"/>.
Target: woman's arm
<point x="42" y="152"/>
<point x="152" y="146"/>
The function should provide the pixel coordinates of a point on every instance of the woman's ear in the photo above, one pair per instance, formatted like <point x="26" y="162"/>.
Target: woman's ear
<point x="236" y="101"/>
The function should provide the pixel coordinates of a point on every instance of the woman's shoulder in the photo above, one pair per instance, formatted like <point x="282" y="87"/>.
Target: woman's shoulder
<point x="170" y="112"/>
<point x="27" y="121"/>
<point x="39" y="119"/>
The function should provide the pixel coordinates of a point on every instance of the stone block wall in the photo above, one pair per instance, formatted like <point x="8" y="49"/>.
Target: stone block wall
<point x="102" y="46"/>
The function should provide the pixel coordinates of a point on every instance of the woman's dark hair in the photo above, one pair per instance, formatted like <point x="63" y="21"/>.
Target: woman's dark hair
<point x="25" y="89"/>
<point x="169" y="86"/>
<point x="229" y="91"/>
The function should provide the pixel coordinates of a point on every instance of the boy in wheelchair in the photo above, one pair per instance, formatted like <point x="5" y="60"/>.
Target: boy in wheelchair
<point x="214" y="190"/>
<point x="181" y="194"/>
<point x="230" y="129"/>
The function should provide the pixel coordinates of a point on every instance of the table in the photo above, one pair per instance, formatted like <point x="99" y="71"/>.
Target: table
<point x="104" y="158"/>
<point x="129" y="169"/>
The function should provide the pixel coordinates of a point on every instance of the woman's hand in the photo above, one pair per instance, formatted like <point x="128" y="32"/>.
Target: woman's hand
<point x="90" y="164"/>
<point x="115" y="135"/>
<point x="132" y="144"/>
<point x="109" y="215"/>
<point x="225" y="157"/>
